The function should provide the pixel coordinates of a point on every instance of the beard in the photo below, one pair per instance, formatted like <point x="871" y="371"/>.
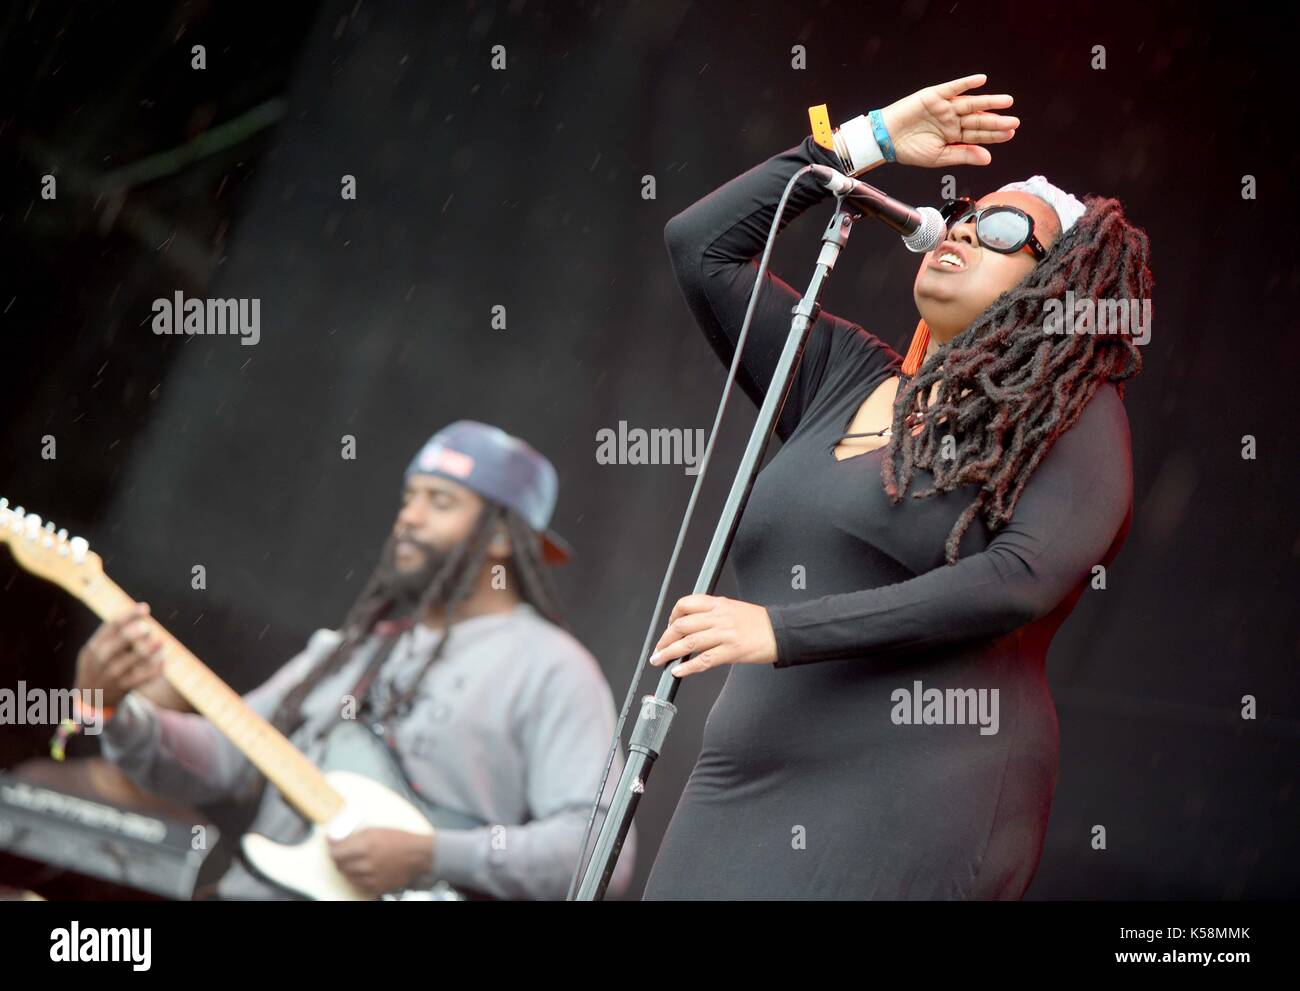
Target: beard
<point x="407" y="588"/>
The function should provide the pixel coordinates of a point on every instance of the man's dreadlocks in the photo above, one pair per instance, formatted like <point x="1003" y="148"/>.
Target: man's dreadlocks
<point x="450" y="586"/>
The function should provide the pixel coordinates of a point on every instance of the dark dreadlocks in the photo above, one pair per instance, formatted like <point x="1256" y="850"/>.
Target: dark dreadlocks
<point x="1007" y="389"/>
<point x="450" y="585"/>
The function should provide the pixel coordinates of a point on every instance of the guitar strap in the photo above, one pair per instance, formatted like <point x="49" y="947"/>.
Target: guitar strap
<point x="391" y="631"/>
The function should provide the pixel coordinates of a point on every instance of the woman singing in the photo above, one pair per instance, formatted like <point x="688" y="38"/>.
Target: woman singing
<point x="926" y="525"/>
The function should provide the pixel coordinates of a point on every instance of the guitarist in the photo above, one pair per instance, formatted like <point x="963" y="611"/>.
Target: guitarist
<point x="456" y="648"/>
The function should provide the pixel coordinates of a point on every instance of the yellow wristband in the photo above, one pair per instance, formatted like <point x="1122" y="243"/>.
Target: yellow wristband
<point x="821" y="126"/>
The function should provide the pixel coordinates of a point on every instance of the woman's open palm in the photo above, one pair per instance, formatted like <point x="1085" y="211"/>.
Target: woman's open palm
<point x="941" y="125"/>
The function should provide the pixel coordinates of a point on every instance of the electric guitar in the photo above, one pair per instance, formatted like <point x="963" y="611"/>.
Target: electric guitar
<point x="359" y="784"/>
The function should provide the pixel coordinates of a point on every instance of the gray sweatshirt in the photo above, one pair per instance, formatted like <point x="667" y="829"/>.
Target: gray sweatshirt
<point x="511" y="725"/>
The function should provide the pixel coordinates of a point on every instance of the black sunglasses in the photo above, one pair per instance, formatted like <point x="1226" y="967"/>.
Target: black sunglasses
<point x="1005" y="229"/>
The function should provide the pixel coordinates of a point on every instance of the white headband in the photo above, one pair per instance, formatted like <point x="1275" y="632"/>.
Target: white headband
<point x="1068" y="208"/>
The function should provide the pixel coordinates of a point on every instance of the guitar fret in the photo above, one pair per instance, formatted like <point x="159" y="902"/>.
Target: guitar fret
<point x="297" y="778"/>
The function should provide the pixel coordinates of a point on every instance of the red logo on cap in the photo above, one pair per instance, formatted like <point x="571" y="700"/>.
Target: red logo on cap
<point x="452" y="462"/>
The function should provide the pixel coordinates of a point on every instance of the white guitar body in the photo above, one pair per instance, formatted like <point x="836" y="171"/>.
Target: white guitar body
<point x="360" y="767"/>
<point x="307" y="868"/>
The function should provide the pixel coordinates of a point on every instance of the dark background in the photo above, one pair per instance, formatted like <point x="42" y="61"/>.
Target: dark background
<point x="523" y="188"/>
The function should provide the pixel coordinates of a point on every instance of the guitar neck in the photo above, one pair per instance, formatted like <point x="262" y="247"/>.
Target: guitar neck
<point x="299" y="781"/>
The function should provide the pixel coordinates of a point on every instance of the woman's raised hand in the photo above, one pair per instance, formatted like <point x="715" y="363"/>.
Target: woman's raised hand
<point x="942" y="125"/>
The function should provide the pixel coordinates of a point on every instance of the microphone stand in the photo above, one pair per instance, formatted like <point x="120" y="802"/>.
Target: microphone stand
<point x="657" y="710"/>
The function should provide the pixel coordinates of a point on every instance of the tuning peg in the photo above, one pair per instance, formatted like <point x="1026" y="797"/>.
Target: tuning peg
<point x="32" y="526"/>
<point x="79" y="547"/>
<point x="63" y="536"/>
<point x="4" y="505"/>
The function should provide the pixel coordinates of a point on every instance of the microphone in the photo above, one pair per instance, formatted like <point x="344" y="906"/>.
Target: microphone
<point x="921" y="230"/>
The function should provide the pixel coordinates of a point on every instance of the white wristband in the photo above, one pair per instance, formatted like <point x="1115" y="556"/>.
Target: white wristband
<point x="857" y="144"/>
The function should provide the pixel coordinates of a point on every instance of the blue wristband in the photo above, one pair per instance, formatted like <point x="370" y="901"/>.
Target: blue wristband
<point x="882" y="136"/>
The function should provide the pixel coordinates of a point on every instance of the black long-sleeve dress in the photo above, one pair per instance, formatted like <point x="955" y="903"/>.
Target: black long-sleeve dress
<point x="806" y="786"/>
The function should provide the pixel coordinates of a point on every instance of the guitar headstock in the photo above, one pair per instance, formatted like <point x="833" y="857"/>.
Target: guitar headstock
<point x="46" y="552"/>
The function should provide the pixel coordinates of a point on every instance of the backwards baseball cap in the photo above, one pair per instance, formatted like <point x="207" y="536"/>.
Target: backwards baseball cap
<point x="501" y="468"/>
